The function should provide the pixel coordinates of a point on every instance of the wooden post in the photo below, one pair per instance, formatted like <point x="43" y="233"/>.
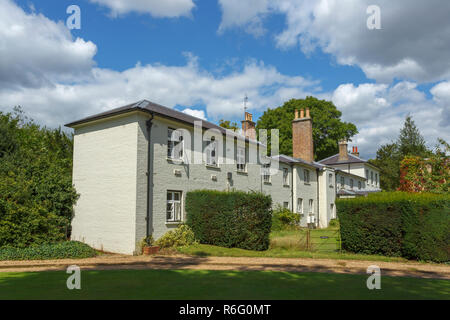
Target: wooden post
<point x="308" y="239"/>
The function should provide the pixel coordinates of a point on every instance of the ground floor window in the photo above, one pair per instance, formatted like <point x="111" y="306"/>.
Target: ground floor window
<point x="333" y="213"/>
<point x="311" y="206"/>
<point x="174" y="208"/>
<point x="286" y="205"/>
<point x="300" y="205"/>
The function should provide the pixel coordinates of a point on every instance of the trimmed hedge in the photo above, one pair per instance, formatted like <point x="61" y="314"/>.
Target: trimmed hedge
<point x="410" y="225"/>
<point x="230" y="219"/>
<point x="61" y="250"/>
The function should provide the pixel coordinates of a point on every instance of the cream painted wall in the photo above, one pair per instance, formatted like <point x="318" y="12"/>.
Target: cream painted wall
<point x="104" y="174"/>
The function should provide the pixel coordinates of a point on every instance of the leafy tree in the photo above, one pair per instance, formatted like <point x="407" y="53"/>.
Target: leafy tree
<point x="328" y="128"/>
<point x="409" y="143"/>
<point x="36" y="191"/>
<point x="227" y="124"/>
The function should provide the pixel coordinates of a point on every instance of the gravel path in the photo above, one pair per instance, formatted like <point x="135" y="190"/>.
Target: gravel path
<point x="108" y="262"/>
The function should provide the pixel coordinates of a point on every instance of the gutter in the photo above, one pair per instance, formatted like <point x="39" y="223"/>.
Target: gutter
<point x="149" y="124"/>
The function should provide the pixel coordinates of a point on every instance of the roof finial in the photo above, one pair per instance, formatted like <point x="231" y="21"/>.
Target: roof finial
<point x="245" y="103"/>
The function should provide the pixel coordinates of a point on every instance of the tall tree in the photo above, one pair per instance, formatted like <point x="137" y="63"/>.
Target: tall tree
<point x="409" y="143"/>
<point x="328" y="128"/>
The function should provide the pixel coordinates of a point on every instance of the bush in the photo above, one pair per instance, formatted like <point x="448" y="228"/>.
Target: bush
<point x="284" y="219"/>
<point x="181" y="236"/>
<point x="230" y="219"/>
<point x="413" y="226"/>
<point x="61" y="250"/>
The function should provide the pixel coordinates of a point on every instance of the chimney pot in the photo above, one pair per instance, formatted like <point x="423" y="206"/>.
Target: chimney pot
<point x="307" y="113"/>
<point x="248" y="127"/>
<point x="296" y="114"/>
<point x="302" y="114"/>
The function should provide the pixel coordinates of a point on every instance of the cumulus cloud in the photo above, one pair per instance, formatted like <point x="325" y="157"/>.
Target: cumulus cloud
<point x="171" y="86"/>
<point x="156" y="8"/>
<point x="379" y="112"/>
<point x="36" y="51"/>
<point x="402" y="49"/>
<point x="195" y="113"/>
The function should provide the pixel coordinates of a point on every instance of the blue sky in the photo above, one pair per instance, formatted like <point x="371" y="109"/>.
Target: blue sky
<point x="203" y="56"/>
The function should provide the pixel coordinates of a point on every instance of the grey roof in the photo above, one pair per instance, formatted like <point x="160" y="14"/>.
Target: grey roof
<point x="151" y="108"/>
<point x="335" y="160"/>
<point x="291" y="160"/>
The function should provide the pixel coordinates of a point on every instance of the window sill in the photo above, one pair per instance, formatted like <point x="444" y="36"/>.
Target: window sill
<point x="211" y="166"/>
<point x="172" y="160"/>
<point x="173" y="223"/>
<point x="286" y="186"/>
<point x="268" y="183"/>
<point x="245" y="173"/>
<point x="307" y="184"/>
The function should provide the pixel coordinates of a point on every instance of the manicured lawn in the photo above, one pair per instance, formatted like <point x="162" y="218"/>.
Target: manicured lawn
<point x="289" y="244"/>
<point x="196" y="284"/>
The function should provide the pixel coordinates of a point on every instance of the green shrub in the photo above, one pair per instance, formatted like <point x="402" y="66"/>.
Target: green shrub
<point x="230" y="219"/>
<point x="60" y="250"/>
<point x="181" y="236"/>
<point x="284" y="219"/>
<point x="334" y="223"/>
<point x="413" y="226"/>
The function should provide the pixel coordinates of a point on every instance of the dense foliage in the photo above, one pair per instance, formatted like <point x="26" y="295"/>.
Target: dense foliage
<point x="230" y="219"/>
<point x="36" y="192"/>
<point x="61" y="250"/>
<point x="410" y="225"/>
<point x="425" y="175"/>
<point x="181" y="236"/>
<point x="284" y="219"/>
<point x="328" y="128"/>
<point x="389" y="156"/>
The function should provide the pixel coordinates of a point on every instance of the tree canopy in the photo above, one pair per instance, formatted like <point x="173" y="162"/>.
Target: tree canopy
<point x="227" y="124"/>
<point x="328" y="128"/>
<point x="389" y="156"/>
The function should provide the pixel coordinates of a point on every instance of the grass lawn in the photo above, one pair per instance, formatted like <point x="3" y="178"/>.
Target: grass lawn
<point x="197" y="284"/>
<point x="289" y="244"/>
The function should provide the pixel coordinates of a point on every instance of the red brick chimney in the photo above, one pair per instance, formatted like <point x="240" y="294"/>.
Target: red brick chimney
<point x="248" y="127"/>
<point x="355" y="151"/>
<point x="343" y="152"/>
<point x="302" y="138"/>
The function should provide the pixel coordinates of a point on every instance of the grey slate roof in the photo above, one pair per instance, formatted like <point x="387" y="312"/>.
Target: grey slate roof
<point x="335" y="160"/>
<point x="291" y="160"/>
<point x="152" y="108"/>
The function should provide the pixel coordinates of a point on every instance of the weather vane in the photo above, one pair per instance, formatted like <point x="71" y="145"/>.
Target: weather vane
<point x="245" y="103"/>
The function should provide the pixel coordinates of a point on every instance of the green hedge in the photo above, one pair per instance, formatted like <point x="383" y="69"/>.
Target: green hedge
<point x="61" y="250"/>
<point x="230" y="219"/>
<point x="413" y="226"/>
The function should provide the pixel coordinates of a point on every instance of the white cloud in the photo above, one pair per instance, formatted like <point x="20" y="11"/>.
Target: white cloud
<point x="195" y="113"/>
<point x="412" y="44"/>
<point x="379" y="112"/>
<point x="35" y="51"/>
<point x="156" y="8"/>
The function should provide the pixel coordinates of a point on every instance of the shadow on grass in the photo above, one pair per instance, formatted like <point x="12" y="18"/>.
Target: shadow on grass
<point x="207" y="285"/>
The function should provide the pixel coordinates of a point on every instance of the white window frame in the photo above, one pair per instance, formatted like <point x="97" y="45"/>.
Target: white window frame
<point x="173" y="142"/>
<point x="210" y="149"/>
<point x="266" y="173"/>
<point x="285" y="176"/>
<point x="241" y="161"/>
<point x="286" y="205"/>
<point x="342" y="182"/>
<point x="306" y="176"/>
<point x="311" y="206"/>
<point x="351" y="184"/>
<point x="359" y="185"/>
<point x="300" y="205"/>
<point x="371" y="178"/>
<point x="175" y="204"/>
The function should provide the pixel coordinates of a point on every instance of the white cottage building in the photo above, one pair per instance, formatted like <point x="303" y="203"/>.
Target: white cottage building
<point x="133" y="166"/>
